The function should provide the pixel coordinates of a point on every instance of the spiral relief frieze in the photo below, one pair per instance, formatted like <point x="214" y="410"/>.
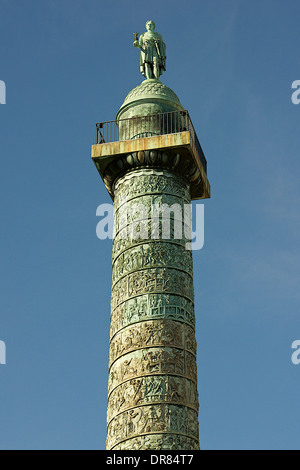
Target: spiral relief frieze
<point x="153" y="397"/>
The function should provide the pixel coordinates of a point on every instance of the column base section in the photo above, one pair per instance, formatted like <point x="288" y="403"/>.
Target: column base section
<point x="162" y="425"/>
<point x="158" y="442"/>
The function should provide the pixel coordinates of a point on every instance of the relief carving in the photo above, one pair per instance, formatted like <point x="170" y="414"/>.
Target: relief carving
<point x="153" y="419"/>
<point x="156" y="254"/>
<point x="159" y="442"/>
<point x="153" y="398"/>
<point x="152" y="361"/>
<point x="123" y="241"/>
<point x="152" y="306"/>
<point x="159" y="280"/>
<point x="154" y="333"/>
<point x="152" y="390"/>
<point x="149" y="181"/>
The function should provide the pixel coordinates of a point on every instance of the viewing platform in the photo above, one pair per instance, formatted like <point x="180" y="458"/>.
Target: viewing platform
<point x="161" y="140"/>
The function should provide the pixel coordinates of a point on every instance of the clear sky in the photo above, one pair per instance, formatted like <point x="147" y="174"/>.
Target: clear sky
<point x="70" y="63"/>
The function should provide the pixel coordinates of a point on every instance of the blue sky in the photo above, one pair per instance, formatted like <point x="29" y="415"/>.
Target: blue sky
<point x="68" y="64"/>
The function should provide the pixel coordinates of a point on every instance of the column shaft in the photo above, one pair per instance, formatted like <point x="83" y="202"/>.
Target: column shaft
<point x="153" y="399"/>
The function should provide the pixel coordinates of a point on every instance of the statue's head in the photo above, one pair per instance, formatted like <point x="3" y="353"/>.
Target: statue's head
<point x="150" y="25"/>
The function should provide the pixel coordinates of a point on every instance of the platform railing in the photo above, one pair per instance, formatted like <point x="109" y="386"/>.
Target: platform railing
<point x="148" y="126"/>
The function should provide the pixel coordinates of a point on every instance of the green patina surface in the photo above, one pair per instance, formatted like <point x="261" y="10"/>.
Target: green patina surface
<point x="152" y="391"/>
<point x="153" y="399"/>
<point x="148" y="98"/>
<point x="153" y="52"/>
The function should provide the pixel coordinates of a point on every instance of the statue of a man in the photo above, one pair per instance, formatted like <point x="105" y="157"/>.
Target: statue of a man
<point x="153" y="52"/>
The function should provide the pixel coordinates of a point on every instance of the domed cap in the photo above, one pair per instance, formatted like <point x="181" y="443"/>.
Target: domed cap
<point x="151" y="92"/>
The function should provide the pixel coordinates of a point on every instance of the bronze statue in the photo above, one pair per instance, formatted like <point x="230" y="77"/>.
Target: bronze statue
<point x="153" y="52"/>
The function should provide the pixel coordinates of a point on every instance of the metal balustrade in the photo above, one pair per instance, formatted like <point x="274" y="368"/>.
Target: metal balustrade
<point x="148" y="126"/>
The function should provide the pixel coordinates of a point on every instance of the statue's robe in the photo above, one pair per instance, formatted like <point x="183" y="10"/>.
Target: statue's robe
<point x="150" y="50"/>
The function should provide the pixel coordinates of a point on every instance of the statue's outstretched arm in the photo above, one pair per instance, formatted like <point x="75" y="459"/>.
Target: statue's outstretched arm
<point x="139" y="43"/>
